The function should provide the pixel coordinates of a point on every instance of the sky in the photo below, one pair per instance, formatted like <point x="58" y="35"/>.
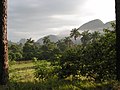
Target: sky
<point x="37" y="18"/>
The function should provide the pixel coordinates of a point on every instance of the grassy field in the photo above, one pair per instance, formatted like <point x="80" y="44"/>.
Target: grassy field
<point x="22" y="72"/>
<point x="22" y="78"/>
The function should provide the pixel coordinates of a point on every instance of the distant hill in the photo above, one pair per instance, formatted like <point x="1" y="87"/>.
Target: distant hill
<point x="23" y="41"/>
<point x="95" y="25"/>
<point x="108" y="25"/>
<point x="53" y="38"/>
<point x="11" y="43"/>
<point x="91" y="25"/>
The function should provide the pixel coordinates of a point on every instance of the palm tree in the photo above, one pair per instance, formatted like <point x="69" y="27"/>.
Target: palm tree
<point x="30" y="40"/>
<point x="61" y="45"/>
<point x="3" y="43"/>
<point x="46" y="40"/>
<point x="95" y="35"/>
<point x="59" y="42"/>
<point x="75" y="33"/>
<point x="117" y="7"/>
<point x="86" y="37"/>
<point x="68" y="41"/>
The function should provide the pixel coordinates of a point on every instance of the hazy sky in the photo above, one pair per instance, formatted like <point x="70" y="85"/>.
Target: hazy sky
<point x="37" y="18"/>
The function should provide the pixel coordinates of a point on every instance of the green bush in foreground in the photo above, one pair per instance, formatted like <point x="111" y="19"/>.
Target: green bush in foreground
<point x="45" y="70"/>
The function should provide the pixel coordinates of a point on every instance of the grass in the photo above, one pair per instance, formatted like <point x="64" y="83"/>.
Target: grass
<point x="22" y="72"/>
<point x="22" y="78"/>
<point x="21" y="65"/>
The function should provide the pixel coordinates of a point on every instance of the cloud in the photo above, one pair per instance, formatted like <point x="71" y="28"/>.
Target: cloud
<point x="36" y="18"/>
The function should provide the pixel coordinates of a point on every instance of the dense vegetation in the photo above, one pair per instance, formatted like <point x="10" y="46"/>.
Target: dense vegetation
<point x="93" y="60"/>
<point x="22" y="78"/>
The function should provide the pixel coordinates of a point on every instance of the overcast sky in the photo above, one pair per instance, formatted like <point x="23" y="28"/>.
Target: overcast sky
<point x="37" y="18"/>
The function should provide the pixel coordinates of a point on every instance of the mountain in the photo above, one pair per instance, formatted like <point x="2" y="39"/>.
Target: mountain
<point x="53" y="38"/>
<point x="108" y="25"/>
<point x="91" y="25"/>
<point x="95" y="25"/>
<point x="11" y="43"/>
<point x="23" y="41"/>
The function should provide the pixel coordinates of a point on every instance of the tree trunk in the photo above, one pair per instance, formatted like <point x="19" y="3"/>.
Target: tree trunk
<point x="3" y="43"/>
<point x="117" y="7"/>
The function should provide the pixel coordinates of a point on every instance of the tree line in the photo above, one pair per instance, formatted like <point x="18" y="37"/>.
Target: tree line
<point x="49" y="50"/>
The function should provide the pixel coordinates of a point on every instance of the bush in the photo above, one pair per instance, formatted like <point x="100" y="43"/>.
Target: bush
<point x="45" y="70"/>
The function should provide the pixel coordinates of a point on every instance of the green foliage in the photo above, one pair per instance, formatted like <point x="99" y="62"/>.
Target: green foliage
<point x="61" y="45"/>
<point x="35" y="59"/>
<point x="95" y="60"/>
<point x="22" y="78"/>
<point x="100" y="57"/>
<point x="29" y="49"/>
<point x="45" y="70"/>
<point x="68" y="42"/>
<point x="69" y="63"/>
<point x="15" y="52"/>
<point x="46" y="40"/>
<point x="86" y="37"/>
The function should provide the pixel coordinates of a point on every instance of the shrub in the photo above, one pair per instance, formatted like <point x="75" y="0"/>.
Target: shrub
<point x="45" y="70"/>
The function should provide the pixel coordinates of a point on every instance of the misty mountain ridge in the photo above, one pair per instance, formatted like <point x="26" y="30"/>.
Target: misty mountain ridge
<point x="22" y="41"/>
<point x="93" y="25"/>
<point x="96" y="25"/>
<point x="53" y="38"/>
